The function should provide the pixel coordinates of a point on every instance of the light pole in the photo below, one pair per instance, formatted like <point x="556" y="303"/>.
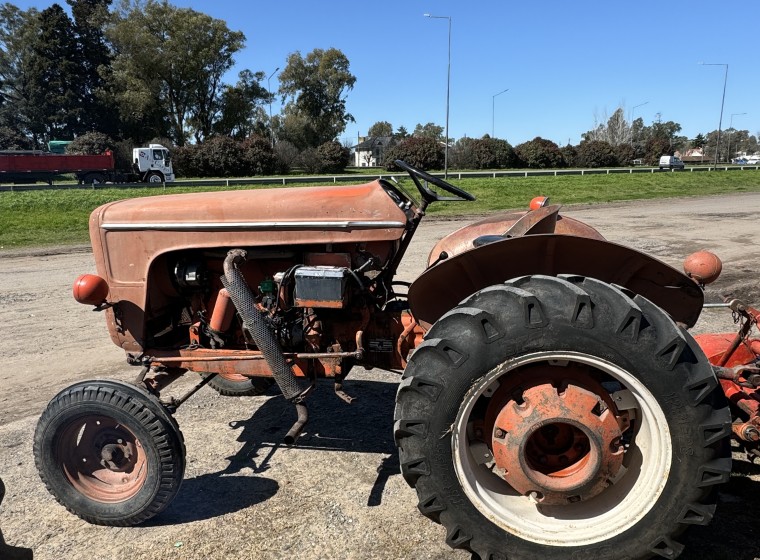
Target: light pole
<point x="722" y="101"/>
<point x="633" y="112"/>
<point x="493" y="112"/>
<point x="730" y="134"/>
<point x="269" y="91"/>
<point x="448" y="89"/>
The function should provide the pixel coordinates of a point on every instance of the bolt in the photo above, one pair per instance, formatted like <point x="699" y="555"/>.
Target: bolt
<point x="535" y="496"/>
<point x="574" y="499"/>
<point x="499" y="433"/>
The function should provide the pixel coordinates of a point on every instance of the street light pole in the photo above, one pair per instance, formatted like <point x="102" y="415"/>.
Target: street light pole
<point x="633" y="112"/>
<point x="448" y="90"/>
<point x="269" y="91"/>
<point x="722" y="101"/>
<point x="731" y="133"/>
<point x="493" y="112"/>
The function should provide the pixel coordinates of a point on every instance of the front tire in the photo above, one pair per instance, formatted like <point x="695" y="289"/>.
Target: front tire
<point x="109" y="452"/>
<point x="560" y="417"/>
<point x="155" y="178"/>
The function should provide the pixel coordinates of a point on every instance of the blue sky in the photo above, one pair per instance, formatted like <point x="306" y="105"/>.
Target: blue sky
<point x="564" y="63"/>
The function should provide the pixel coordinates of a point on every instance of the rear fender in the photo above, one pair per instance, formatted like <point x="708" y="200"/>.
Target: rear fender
<point x="443" y="286"/>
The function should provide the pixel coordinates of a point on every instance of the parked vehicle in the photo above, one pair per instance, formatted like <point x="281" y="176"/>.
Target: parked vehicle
<point x="671" y="162"/>
<point x="551" y="402"/>
<point x="151" y="164"/>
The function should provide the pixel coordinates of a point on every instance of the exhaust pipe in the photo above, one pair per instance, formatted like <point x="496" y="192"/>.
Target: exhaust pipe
<point x="293" y="388"/>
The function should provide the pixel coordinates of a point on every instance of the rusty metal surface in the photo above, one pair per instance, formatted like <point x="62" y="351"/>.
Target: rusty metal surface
<point x="555" y="434"/>
<point x="541" y="220"/>
<point x="498" y="224"/>
<point x="124" y="257"/>
<point x="443" y="286"/>
<point x="101" y="458"/>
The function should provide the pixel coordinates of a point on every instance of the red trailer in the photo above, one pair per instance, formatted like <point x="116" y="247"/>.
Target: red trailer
<point x="32" y="166"/>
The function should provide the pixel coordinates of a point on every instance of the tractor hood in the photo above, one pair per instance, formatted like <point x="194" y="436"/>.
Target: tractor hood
<point x="127" y="235"/>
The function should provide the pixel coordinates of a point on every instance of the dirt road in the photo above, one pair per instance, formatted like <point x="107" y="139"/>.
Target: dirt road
<point x="339" y="493"/>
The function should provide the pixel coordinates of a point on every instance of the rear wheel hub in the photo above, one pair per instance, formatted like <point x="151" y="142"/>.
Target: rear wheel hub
<point x="556" y="441"/>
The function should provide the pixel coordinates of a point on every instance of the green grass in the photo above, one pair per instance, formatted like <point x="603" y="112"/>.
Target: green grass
<point x="60" y="217"/>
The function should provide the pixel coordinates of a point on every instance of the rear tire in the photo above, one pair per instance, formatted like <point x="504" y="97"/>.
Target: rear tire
<point x="109" y="452"/>
<point x="531" y="350"/>
<point x="234" y="385"/>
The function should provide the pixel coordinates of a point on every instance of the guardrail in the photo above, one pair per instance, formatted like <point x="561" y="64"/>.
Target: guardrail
<point x="294" y="180"/>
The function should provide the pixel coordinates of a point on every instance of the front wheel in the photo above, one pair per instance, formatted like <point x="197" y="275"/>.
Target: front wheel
<point x="109" y="452"/>
<point x="561" y="417"/>
<point x="155" y="177"/>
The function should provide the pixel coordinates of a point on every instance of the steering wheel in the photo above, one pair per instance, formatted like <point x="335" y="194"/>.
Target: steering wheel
<point x="428" y="195"/>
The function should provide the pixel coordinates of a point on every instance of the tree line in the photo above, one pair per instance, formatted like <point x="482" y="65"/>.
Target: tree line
<point x="145" y="70"/>
<point x="612" y="143"/>
<point x="117" y="76"/>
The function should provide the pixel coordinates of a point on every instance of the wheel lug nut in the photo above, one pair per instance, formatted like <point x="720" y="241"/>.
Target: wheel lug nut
<point x="499" y="433"/>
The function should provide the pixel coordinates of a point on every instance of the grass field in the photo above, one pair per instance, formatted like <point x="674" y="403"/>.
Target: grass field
<point x="51" y="217"/>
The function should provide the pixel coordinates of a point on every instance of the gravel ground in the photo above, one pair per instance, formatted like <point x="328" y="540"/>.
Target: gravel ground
<point x="338" y="494"/>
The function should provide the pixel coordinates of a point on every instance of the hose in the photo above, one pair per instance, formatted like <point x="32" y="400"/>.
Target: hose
<point x="293" y="388"/>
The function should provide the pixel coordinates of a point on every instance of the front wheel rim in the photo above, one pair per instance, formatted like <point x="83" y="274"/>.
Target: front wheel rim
<point x="101" y="458"/>
<point x="604" y="514"/>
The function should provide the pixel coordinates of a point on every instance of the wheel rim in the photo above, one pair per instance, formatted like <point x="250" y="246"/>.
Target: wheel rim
<point x="517" y="423"/>
<point x="155" y="179"/>
<point x="101" y="458"/>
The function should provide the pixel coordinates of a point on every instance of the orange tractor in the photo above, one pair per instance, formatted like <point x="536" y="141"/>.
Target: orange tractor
<point x="551" y="401"/>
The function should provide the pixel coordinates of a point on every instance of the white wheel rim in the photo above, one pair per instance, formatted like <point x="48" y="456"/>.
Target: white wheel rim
<point x="615" y="510"/>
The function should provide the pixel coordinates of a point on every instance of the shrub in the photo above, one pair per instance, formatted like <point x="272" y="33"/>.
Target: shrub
<point x="11" y="139"/>
<point x="310" y="161"/>
<point x="287" y="156"/>
<point x="187" y="162"/>
<point x="461" y="154"/>
<point x="222" y="156"/>
<point x="333" y="157"/>
<point x="258" y="157"/>
<point x="423" y="153"/>
<point x="625" y="154"/>
<point x="539" y="154"/>
<point x="91" y="143"/>
<point x="570" y="155"/>
<point x="596" y="153"/>
<point x="493" y="153"/>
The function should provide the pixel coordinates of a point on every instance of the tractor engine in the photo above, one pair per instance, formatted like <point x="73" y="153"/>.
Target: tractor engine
<point x="313" y="302"/>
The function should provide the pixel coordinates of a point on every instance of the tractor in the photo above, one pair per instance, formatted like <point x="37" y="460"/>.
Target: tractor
<point x="551" y="401"/>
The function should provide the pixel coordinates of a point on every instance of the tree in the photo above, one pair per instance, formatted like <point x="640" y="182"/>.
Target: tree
<point x="258" y="157"/>
<point x="12" y="139"/>
<point x="424" y="153"/>
<point x="596" y="153"/>
<point x="401" y="133"/>
<point x="17" y="31"/>
<point x="170" y="62"/>
<point x="241" y="105"/>
<point x="380" y="128"/>
<point x="98" y="109"/>
<point x="614" y="131"/>
<point x="699" y="141"/>
<point x="429" y="130"/>
<point x="539" y="154"/>
<point x="493" y="153"/>
<point x="315" y="89"/>
<point x="51" y="78"/>
<point x="91" y="143"/>
<point x="333" y="156"/>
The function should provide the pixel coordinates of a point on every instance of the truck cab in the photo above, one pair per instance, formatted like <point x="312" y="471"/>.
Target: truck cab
<point x="153" y="164"/>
